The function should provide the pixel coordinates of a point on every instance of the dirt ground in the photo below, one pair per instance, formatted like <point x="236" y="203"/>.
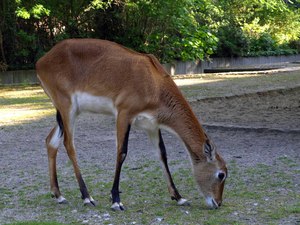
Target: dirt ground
<point x="265" y="124"/>
<point x="249" y="129"/>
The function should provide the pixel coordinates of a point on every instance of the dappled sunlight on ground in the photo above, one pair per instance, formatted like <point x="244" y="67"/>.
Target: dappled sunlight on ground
<point x="13" y="116"/>
<point x="223" y="77"/>
<point x="193" y="81"/>
<point x="20" y="91"/>
<point x="23" y="104"/>
<point x="203" y="86"/>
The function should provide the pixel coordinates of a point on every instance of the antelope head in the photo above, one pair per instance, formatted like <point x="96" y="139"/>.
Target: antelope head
<point x="210" y="174"/>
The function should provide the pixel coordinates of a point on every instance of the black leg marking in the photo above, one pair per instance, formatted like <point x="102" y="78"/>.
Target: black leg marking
<point x="163" y="153"/>
<point x="60" y="123"/>
<point x="120" y="159"/>
<point x="88" y="200"/>
<point x="83" y="188"/>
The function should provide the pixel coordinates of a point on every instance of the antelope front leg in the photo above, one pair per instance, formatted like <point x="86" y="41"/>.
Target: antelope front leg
<point x="123" y="129"/>
<point x="67" y="122"/>
<point x="157" y="140"/>
<point x="68" y="142"/>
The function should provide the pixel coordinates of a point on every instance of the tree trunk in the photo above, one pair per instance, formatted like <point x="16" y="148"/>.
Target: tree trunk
<point x="2" y="55"/>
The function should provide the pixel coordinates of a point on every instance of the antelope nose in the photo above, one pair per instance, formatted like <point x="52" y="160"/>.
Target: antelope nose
<point x="217" y="203"/>
<point x="213" y="203"/>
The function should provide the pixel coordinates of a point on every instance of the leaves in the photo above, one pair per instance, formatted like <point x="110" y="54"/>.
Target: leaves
<point x="22" y="13"/>
<point x="39" y="10"/>
<point x="257" y="27"/>
<point x="170" y="29"/>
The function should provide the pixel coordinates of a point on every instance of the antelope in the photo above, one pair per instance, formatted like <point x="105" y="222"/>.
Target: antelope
<point x="99" y="76"/>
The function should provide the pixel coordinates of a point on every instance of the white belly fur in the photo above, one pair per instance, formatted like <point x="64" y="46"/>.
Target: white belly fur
<point x="89" y="103"/>
<point x="86" y="102"/>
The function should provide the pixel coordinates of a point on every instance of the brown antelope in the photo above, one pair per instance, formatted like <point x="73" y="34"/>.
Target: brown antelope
<point x="103" y="77"/>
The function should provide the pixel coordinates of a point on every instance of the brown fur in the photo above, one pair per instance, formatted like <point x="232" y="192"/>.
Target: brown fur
<point x="136" y="83"/>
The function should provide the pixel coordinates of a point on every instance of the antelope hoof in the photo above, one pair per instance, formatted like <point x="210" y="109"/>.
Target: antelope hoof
<point x="89" y="202"/>
<point x="183" y="202"/>
<point x="117" y="207"/>
<point x="61" y="200"/>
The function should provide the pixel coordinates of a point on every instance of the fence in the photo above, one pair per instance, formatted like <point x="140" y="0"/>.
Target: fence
<point x="18" y="77"/>
<point x="177" y="67"/>
<point x="227" y="64"/>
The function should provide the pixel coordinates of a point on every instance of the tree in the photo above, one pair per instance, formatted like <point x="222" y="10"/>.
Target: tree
<point x="39" y="24"/>
<point x="6" y="17"/>
<point x="257" y="27"/>
<point x="170" y="29"/>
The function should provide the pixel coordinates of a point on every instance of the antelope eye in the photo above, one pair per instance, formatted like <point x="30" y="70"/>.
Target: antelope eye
<point x="221" y="175"/>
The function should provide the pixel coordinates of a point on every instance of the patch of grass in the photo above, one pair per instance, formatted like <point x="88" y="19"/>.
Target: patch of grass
<point x="267" y="191"/>
<point x="22" y="104"/>
<point x="36" y="223"/>
<point x="252" y="196"/>
<point x="216" y="85"/>
<point x="22" y="95"/>
<point x="6" y="195"/>
<point x="288" y="161"/>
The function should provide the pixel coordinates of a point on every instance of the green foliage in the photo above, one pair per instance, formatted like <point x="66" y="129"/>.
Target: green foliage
<point x="167" y="29"/>
<point x="39" y="10"/>
<point x="257" y="27"/>
<point x="232" y="41"/>
<point x="170" y="29"/>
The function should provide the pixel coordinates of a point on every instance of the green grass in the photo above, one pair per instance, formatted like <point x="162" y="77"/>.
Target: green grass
<point x="19" y="95"/>
<point x="23" y="104"/>
<point x="251" y="194"/>
<point x="217" y="85"/>
<point x="36" y="223"/>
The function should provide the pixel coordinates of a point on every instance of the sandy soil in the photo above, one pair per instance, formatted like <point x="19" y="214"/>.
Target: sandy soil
<point x="251" y="124"/>
<point x="250" y="129"/>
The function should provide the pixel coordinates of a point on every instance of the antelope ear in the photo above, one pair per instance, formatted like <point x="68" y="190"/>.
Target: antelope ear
<point x="209" y="151"/>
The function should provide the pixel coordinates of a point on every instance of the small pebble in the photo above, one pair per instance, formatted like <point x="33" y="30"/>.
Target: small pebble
<point x="97" y="216"/>
<point x="159" y="219"/>
<point x="106" y="216"/>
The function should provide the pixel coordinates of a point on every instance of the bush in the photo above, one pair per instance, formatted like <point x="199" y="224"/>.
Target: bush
<point x="232" y="42"/>
<point x="265" y="45"/>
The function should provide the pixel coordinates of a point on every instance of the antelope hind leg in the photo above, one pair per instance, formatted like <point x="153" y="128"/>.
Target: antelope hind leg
<point x="52" y="143"/>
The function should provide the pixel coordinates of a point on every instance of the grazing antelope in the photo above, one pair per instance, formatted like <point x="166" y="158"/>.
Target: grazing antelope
<point x="103" y="77"/>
